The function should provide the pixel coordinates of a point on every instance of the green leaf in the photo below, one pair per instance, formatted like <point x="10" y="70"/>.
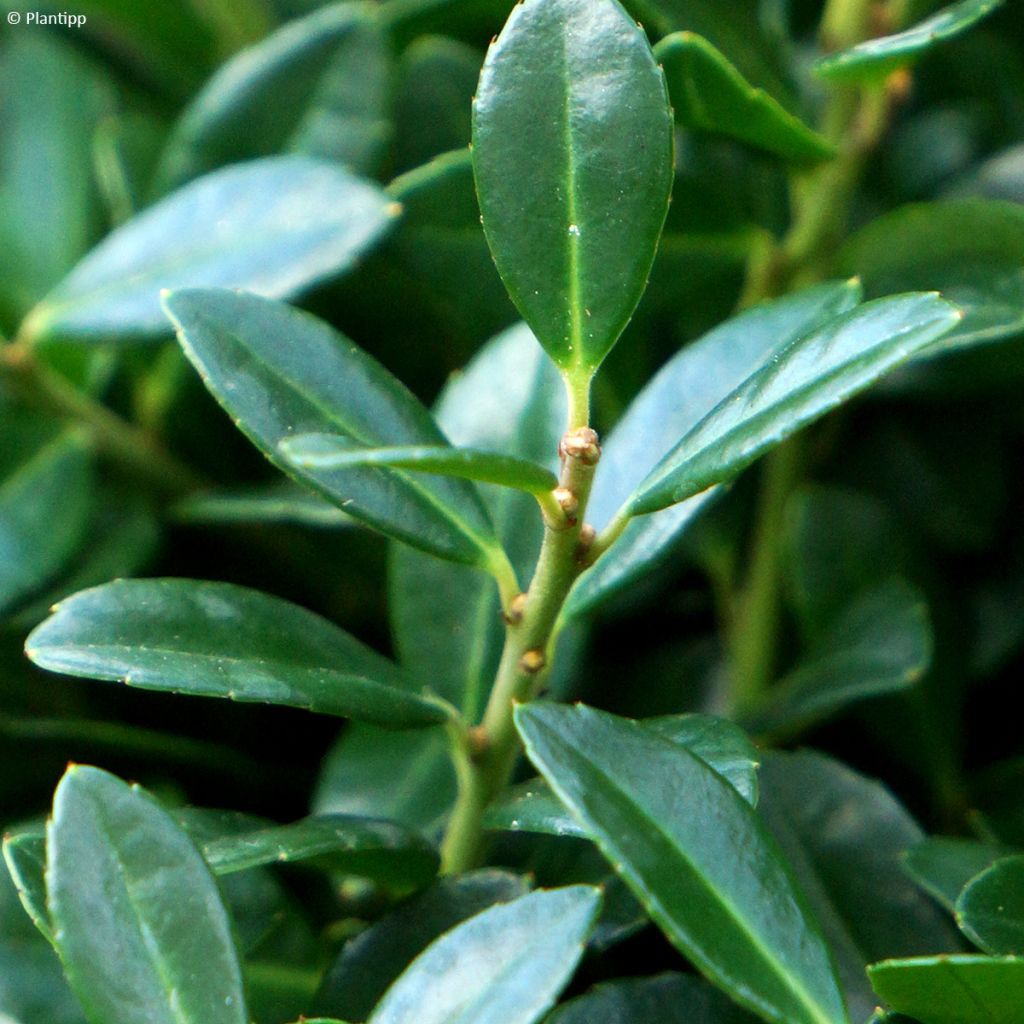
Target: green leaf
<point x="807" y="379"/>
<point x="943" y="866"/>
<point x="25" y="855"/>
<point x="844" y="836"/>
<point x="880" y="644"/>
<point x="970" y="249"/>
<point x="373" y="959"/>
<point x="670" y="826"/>
<point x="407" y="777"/>
<point x="273" y="226"/>
<point x="572" y="151"/>
<point x="505" y="965"/>
<point x="322" y="383"/>
<point x="877" y="58"/>
<point x="279" y="502"/>
<point x="50" y="102"/>
<point x="40" y="470"/>
<point x="667" y="999"/>
<point x="457" y="642"/>
<point x="318" y="86"/>
<point x="532" y="807"/>
<point x="675" y="400"/>
<point x="953" y="989"/>
<point x="219" y="640"/>
<point x="365" y="847"/>
<point x="139" y="922"/>
<point x="331" y="452"/>
<point x="710" y="94"/>
<point x="990" y="910"/>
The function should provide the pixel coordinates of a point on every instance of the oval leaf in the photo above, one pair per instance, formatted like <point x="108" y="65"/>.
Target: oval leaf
<point x="249" y="350"/>
<point x="572" y="151"/>
<point x="25" y="855"/>
<point x="504" y="966"/>
<point x="990" y="910"/>
<point x="670" y="826"/>
<point x="877" y="58"/>
<point x="328" y="451"/>
<point x="942" y="866"/>
<point x="218" y="640"/>
<point x="273" y="226"/>
<point x="365" y="847"/>
<point x="710" y="94"/>
<point x="139" y="923"/>
<point x="804" y="381"/>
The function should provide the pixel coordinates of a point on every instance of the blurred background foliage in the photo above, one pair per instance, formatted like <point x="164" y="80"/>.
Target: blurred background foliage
<point x="922" y="479"/>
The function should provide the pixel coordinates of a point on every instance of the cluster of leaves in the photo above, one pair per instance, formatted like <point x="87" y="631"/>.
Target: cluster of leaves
<point x="743" y="216"/>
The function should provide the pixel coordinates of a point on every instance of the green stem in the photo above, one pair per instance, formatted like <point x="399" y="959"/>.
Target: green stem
<point x="38" y="385"/>
<point x="485" y="762"/>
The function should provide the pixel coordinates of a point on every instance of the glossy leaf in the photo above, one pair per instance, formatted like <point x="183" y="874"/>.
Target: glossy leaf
<point x="669" y="825"/>
<point x="943" y="866"/>
<point x="274" y="227"/>
<point x="25" y="855"/>
<point x="322" y="383"/>
<point x="532" y="807"/>
<point x="953" y="989"/>
<point x="844" y="836"/>
<point x="572" y="151"/>
<point x="40" y="470"/>
<point x="505" y="965"/>
<point x="331" y="452"/>
<point x="373" y="959"/>
<point x="876" y="58"/>
<point x="990" y="909"/>
<point x="406" y="777"/>
<point x="676" y="399"/>
<point x="710" y="94"/>
<point x="807" y="379"/>
<point x="970" y="249"/>
<point x="880" y="644"/>
<point x="139" y="922"/>
<point x="667" y="999"/>
<point x="219" y="640"/>
<point x="457" y="642"/>
<point x="318" y="86"/>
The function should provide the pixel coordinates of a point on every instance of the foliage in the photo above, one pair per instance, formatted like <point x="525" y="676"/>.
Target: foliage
<point x="311" y="315"/>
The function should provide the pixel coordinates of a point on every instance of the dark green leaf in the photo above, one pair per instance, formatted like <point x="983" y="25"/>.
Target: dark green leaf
<point x="372" y="960"/>
<point x="50" y="103"/>
<point x="532" y="807"/>
<point x="807" y="379"/>
<point x="318" y="86"/>
<point x="572" y="150"/>
<point x="219" y="640"/>
<point x="322" y="383"/>
<point x="140" y="926"/>
<point x="677" y="398"/>
<point x="25" y="855"/>
<point x="331" y="452"/>
<point x="670" y="826"/>
<point x="40" y="470"/>
<point x="273" y="226"/>
<point x="880" y="644"/>
<point x="666" y="999"/>
<point x="407" y="777"/>
<point x="990" y="910"/>
<point x="365" y="847"/>
<point x="971" y="249"/>
<point x="878" y="57"/>
<point x="953" y="989"/>
<point x="505" y="965"/>
<point x="942" y="867"/>
<point x="844" y="836"/>
<point x="710" y="94"/>
<point x="279" y="502"/>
